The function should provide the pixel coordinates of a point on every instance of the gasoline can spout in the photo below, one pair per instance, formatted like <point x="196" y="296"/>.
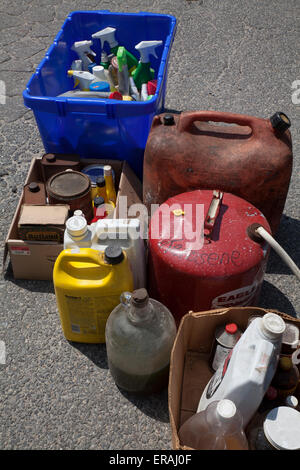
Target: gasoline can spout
<point x="212" y="213"/>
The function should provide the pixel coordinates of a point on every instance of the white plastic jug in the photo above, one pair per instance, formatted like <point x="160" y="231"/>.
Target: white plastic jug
<point x="125" y="233"/>
<point x="77" y="233"/>
<point x="248" y="370"/>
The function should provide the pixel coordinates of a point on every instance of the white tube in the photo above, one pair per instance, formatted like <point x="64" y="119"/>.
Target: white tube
<point x="279" y="250"/>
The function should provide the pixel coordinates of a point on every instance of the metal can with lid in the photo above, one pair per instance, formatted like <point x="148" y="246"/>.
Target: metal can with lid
<point x="226" y="337"/>
<point x="73" y="188"/>
<point x="280" y="430"/>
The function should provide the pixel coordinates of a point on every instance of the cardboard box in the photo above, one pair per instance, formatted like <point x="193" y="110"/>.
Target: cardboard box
<point x="189" y="367"/>
<point x="43" y="222"/>
<point x="35" y="260"/>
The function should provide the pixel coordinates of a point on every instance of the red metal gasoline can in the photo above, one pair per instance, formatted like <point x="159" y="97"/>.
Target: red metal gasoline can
<point x="251" y="158"/>
<point x="228" y="269"/>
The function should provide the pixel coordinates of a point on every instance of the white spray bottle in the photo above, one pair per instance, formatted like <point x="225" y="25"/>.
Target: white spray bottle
<point x="108" y="35"/>
<point x="84" y="52"/>
<point x="143" y="72"/>
<point x="83" y="78"/>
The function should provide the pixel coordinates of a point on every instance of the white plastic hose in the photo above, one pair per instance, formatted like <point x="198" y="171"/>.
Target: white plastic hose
<point x="279" y="250"/>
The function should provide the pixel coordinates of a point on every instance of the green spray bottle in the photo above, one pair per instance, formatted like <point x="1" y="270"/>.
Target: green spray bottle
<point x="143" y="72"/>
<point x="108" y="35"/>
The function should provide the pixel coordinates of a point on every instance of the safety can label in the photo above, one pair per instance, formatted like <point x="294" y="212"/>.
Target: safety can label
<point x="240" y="297"/>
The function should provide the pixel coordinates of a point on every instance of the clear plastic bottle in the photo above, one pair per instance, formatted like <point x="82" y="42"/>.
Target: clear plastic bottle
<point x="218" y="427"/>
<point x="140" y="333"/>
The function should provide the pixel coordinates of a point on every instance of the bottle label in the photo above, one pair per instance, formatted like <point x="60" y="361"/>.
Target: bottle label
<point x="241" y="297"/>
<point x="217" y="378"/>
<point x="88" y="315"/>
<point x="220" y="356"/>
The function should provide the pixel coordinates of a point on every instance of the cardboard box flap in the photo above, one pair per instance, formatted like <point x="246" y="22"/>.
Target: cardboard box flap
<point x="189" y="366"/>
<point x="43" y="215"/>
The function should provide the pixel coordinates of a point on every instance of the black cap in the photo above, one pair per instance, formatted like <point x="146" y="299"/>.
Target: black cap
<point x="100" y="181"/>
<point x="280" y="122"/>
<point x="98" y="201"/>
<point x="33" y="187"/>
<point x="50" y="157"/>
<point x="169" y="120"/>
<point x="113" y="254"/>
<point x="139" y="297"/>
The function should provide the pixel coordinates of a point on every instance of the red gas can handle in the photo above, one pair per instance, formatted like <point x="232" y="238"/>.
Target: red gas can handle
<point x="187" y="118"/>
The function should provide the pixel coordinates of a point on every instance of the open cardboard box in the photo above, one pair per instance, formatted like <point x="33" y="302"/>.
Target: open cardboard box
<point x="35" y="260"/>
<point x="189" y="366"/>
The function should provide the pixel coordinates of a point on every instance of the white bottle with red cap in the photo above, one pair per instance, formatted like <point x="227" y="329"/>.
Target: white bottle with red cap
<point x="226" y="337"/>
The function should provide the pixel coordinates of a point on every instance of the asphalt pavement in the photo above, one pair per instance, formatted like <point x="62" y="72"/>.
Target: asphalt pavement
<point x="233" y="56"/>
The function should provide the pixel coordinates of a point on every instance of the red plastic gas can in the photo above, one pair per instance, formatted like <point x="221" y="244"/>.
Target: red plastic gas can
<point x="251" y="158"/>
<point x="228" y="270"/>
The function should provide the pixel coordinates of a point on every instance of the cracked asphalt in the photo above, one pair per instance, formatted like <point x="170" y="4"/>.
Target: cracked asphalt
<point x="232" y="56"/>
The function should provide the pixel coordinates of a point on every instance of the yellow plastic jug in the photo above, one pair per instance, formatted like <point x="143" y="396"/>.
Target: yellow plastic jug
<point x="88" y="285"/>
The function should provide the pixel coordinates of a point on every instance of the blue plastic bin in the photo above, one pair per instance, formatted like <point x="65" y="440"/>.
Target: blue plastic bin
<point x="96" y="128"/>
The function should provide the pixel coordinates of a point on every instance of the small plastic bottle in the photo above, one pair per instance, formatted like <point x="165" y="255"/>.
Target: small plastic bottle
<point x="218" y="427"/>
<point x="286" y="377"/>
<point x="101" y="189"/>
<point x="140" y="333"/>
<point x="110" y="188"/>
<point x="77" y="233"/>
<point x="99" y="209"/>
<point x="79" y="213"/>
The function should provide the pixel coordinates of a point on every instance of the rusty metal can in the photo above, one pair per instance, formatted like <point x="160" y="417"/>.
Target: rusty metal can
<point x="73" y="188"/>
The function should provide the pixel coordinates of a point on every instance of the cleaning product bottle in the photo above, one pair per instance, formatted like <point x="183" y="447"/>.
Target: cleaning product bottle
<point x="143" y="72"/>
<point x="78" y="233"/>
<point x="286" y="377"/>
<point x="123" y="75"/>
<point x="99" y="209"/>
<point x="110" y="188"/>
<point x="99" y="188"/>
<point x="139" y="337"/>
<point x="127" y="234"/>
<point x="99" y="73"/>
<point x="108" y="35"/>
<point x="218" y="427"/>
<point x="144" y="93"/>
<point x="247" y="372"/>
<point x="84" y="52"/>
<point x="104" y="61"/>
<point x="76" y="64"/>
<point x="134" y="92"/>
<point x="88" y="285"/>
<point x="83" y="78"/>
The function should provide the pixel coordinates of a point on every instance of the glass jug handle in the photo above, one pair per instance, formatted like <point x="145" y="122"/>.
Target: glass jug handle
<point x="125" y="298"/>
